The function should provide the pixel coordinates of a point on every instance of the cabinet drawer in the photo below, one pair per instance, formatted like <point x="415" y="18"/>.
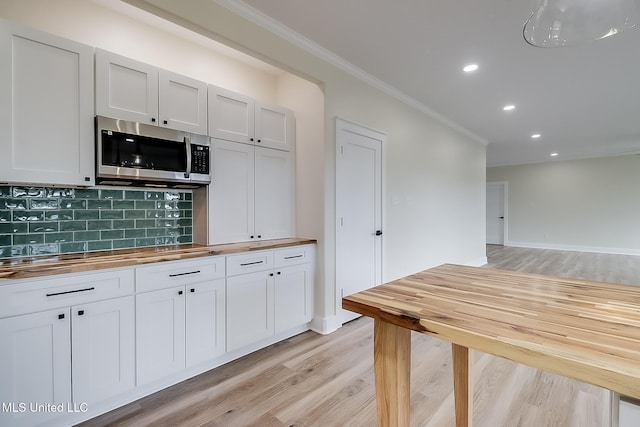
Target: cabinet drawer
<point x="37" y="295"/>
<point x="249" y="262"/>
<point x="293" y="255"/>
<point x="175" y="273"/>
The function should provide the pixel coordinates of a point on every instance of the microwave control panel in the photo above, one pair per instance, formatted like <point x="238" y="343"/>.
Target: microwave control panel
<point x="200" y="159"/>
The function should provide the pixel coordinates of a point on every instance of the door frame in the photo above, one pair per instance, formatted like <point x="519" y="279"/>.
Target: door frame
<point x="505" y="210"/>
<point x="350" y="126"/>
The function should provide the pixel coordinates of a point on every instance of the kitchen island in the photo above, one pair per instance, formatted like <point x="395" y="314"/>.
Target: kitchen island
<point x="588" y="331"/>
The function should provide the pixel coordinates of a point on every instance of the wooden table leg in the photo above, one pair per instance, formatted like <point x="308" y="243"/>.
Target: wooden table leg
<point x="462" y="390"/>
<point x="392" y="367"/>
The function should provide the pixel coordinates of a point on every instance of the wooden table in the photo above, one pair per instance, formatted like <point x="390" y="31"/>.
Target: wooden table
<point x="588" y="331"/>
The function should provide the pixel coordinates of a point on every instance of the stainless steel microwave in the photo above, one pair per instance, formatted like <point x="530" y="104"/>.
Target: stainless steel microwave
<point x="129" y="153"/>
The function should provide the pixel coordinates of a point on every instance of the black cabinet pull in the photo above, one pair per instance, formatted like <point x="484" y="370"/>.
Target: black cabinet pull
<point x="278" y="273"/>
<point x="80" y="312"/>
<point x="378" y="232"/>
<point x="270" y="274"/>
<point x="293" y="257"/>
<point x="259" y="141"/>
<point x="259" y="236"/>
<point x="71" y="292"/>
<point x="251" y="263"/>
<point x="60" y="316"/>
<point x="153" y="119"/>
<point x="251" y="139"/>
<point x="184" y="274"/>
<point x="192" y="290"/>
<point x="179" y="292"/>
<point x="251" y="237"/>
<point x="165" y="122"/>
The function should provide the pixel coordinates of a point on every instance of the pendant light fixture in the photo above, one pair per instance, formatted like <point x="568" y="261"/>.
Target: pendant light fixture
<point x="558" y="23"/>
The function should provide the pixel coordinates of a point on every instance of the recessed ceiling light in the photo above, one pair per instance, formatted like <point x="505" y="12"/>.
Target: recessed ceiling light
<point x="536" y="136"/>
<point x="470" y="68"/>
<point x="509" y="107"/>
<point x="553" y="154"/>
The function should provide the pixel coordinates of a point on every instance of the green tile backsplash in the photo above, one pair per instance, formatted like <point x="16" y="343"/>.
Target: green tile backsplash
<point x="42" y="220"/>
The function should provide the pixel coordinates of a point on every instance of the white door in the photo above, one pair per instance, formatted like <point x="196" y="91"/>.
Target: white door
<point x="46" y="108"/>
<point x="231" y="192"/>
<point x="103" y="347"/>
<point x="126" y="89"/>
<point x="274" y="194"/>
<point x="231" y="115"/>
<point x="205" y="324"/>
<point x="293" y="288"/>
<point x="495" y="213"/>
<point x="358" y="209"/>
<point x="182" y="102"/>
<point x="274" y="127"/>
<point x="36" y="365"/>
<point x="249" y="309"/>
<point x="160" y="334"/>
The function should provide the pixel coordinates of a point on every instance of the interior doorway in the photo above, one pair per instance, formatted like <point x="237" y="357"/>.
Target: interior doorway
<point x="358" y="210"/>
<point x="496" y="213"/>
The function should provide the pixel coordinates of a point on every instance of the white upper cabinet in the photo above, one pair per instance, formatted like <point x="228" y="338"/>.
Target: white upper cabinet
<point x="252" y="193"/>
<point x="125" y="88"/>
<point x="132" y="90"/>
<point x="231" y="115"/>
<point x="239" y="118"/>
<point x="275" y="127"/>
<point x="46" y="108"/>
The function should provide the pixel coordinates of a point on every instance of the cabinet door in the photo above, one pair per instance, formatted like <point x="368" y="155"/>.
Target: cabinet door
<point x="231" y="115"/>
<point x="46" y="108"/>
<point x="182" y="103"/>
<point x="293" y="296"/>
<point x="275" y="127"/>
<point x="103" y="348"/>
<point x="36" y="365"/>
<point x="274" y="194"/>
<point x="249" y="309"/>
<point x="160" y="334"/>
<point x="231" y="192"/>
<point x="205" y="321"/>
<point x="126" y="89"/>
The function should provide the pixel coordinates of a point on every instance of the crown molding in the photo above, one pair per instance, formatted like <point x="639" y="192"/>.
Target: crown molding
<point x="255" y="16"/>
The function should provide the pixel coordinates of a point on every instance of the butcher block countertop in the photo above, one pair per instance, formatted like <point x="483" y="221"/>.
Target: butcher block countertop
<point x="589" y="331"/>
<point x="22" y="268"/>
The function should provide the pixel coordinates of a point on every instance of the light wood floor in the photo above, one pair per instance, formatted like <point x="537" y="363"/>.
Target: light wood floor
<point x="314" y="380"/>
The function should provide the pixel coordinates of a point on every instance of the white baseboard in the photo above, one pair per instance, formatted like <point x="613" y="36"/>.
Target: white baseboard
<point x="325" y="325"/>
<point x="478" y="262"/>
<point x="574" y="248"/>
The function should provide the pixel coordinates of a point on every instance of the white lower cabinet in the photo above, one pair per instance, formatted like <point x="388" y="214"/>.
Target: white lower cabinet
<point x="250" y="309"/>
<point x="160" y="333"/>
<point x="179" y="326"/>
<point x="87" y="340"/>
<point x="269" y="292"/>
<point x="293" y="296"/>
<point x="36" y="365"/>
<point x="103" y="349"/>
<point x="66" y="357"/>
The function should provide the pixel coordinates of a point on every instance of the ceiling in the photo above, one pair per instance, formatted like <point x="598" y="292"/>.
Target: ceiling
<point x="583" y="100"/>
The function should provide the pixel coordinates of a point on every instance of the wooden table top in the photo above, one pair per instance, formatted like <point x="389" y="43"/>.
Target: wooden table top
<point x="22" y="268"/>
<point x="589" y="331"/>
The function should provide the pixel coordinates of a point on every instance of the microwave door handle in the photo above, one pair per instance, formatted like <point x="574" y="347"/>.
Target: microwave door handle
<point x="187" y="143"/>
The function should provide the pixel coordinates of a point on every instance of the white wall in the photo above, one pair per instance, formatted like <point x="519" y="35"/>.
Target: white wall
<point x="589" y="205"/>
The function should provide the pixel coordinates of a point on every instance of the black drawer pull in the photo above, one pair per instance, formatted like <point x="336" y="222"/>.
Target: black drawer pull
<point x="80" y="312"/>
<point x="292" y="257"/>
<point x="60" y="316"/>
<point x="251" y="263"/>
<point x="70" y="292"/>
<point x="184" y="274"/>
